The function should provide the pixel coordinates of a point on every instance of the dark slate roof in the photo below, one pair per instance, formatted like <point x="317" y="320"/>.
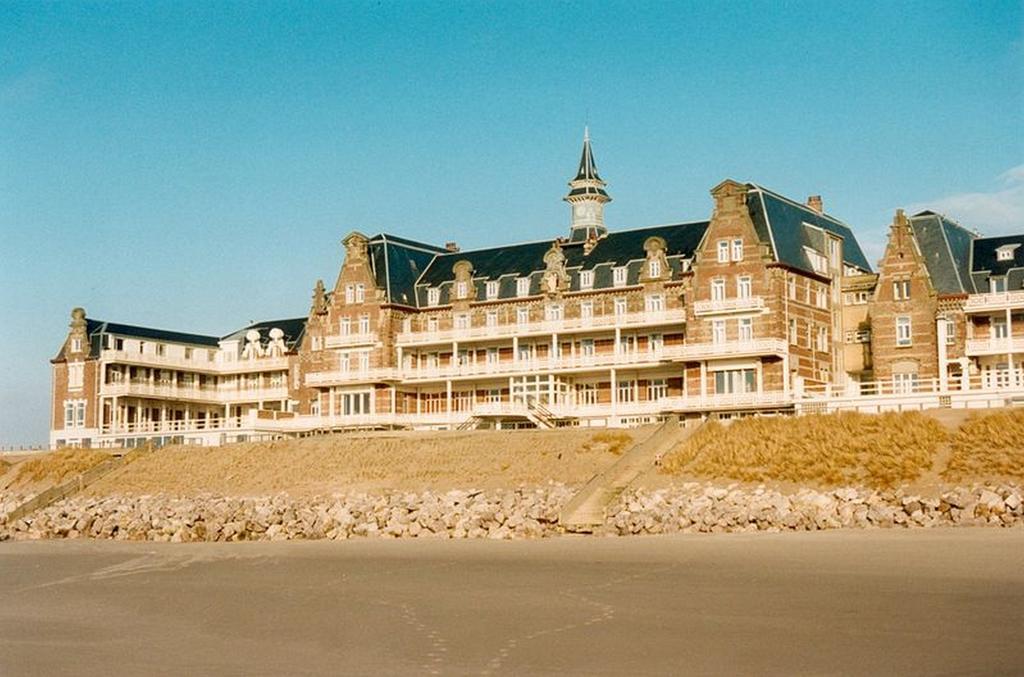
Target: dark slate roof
<point x="397" y="263"/>
<point x="946" y="248"/>
<point x="98" y="327"/>
<point x="506" y="263"/>
<point x="780" y="222"/>
<point x="983" y="258"/>
<point x="293" y="330"/>
<point x="588" y="167"/>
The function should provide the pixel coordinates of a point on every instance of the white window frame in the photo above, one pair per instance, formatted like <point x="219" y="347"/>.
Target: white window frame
<point x="901" y="290"/>
<point x="553" y="312"/>
<point x="345" y="326"/>
<point x="461" y="289"/>
<point x="492" y="318"/>
<point x="736" y="251"/>
<point x="522" y="316"/>
<point x="657" y="389"/>
<point x="350" y="294"/>
<point x="718" y="289"/>
<point x="76" y="375"/>
<point x="586" y="279"/>
<point x="950" y="331"/>
<point x="904" y="331"/>
<point x="432" y="324"/>
<point x="718" y="335"/>
<point x="360" y="292"/>
<point x="722" y="249"/>
<point x="654" y="268"/>
<point x="462" y="321"/>
<point x="522" y="286"/>
<point x="364" y="325"/>
<point x="587" y="347"/>
<point x="745" y="329"/>
<point x="619" y="276"/>
<point x="794" y="334"/>
<point x="492" y="289"/>
<point x="620" y="306"/>
<point x="654" y="303"/>
<point x="586" y="310"/>
<point x="433" y="296"/>
<point x="744" y="287"/>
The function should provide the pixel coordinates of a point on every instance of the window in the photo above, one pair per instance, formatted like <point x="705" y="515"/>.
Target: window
<point x="855" y="298"/>
<point x="188" y="353"/>
<point x="161" y="349"/>
<point x="433" y="359"/>
<point x="901" y="290"/>
<point x="344" y="362"/>
<point x="718" y="331"/>
<point x="793" y="334"/>
<point x="461" y="289"/>
<point x="718" y="289"/>
<point x="317" y="342"/>
<point x="858" y="336"/>
<point x="654" y="303"/>
<point x="654" y="268"/>
<point x="1005" y="253"/>
<point x="619" y="276"/>
<point x="903" y="337"/>
<point x="364" y="361"/>
<point x="364" y="324"/>
<point x="350" y="293"/>
<point x="999" y="329"/>
<point x="525" y="352"/>
<point x="656" y="344"/>
<point x="620" y="306"/>
<point x="997" y="284"/>
<point x="523" y="286"/>
<point x="493" y="396"/>
<point x="74" y="413"/>
<point x="586" y="310"/>
<point x="522" y="315"/>
<point x="431" y="324"/>
<point x="76" y="375"/>
<point x="819" y="263"/>
<point x="346" y="326"/>
<point x="822" y="345"/>
<point x="492" y="356"/>
<point x="433" y="296"/>
<point x="833" y="252"/>
<point x="820" y="297"/>
<point x="950" y="331"/>
<point x="791" y="287"/>
<point x="735" y="381"/>
<point x="743" y="287"/>
<point x="76" y="345"/>
<point x="360" y="292"/>
<point x="463" y="358"/>
<point x="462" y="321"/>
<point x="904" y="383"/>
<point x="746" y="329"/>
<point x="586" y="279"/>
<point x="737" y="249"/>
<point x="492" y="318"/>
<point x="587" y="347"/>
<point x="492" y="289"/>
<point x="625" y="391"/>
<point x="586" y="393"/>
<point x="723" y="251"/>
<point x="553" y="313"/>
<point x="657" y="389"/>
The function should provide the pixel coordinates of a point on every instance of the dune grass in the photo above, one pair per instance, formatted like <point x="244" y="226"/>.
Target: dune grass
<point x="881" y="450"/>
<point x="987" y="446"/>
<point x="613" y="441"/>
<point x="57" y="466"/>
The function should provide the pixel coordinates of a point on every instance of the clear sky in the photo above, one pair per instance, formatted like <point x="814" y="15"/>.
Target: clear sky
<point x="194" y="166"/>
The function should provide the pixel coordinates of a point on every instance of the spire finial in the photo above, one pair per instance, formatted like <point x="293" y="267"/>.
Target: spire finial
<point x="586" y="133"/>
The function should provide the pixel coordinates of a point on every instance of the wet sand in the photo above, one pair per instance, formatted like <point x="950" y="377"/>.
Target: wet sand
<point x="935" y="602"/>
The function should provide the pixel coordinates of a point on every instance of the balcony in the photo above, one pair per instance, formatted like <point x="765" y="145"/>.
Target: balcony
<point x="338" y="377"/>
<point x="725" y="306"/>
<point x="348" y="340"/>
<point x="548" y="327"/>
<point x="980" y="303"/>
<point x="710" y="351"/>
<point x="995" y="346"/>
<point x="169" y="391"/>
<point x="195" y="363"/>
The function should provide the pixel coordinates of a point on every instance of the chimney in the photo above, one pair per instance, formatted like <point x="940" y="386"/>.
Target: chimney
<point x="814" y="202"/>
<point x="451" y="246"/>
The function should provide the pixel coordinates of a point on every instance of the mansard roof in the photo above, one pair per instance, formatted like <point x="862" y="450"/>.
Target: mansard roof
<point x="984" y="258"/>
<point x="397" y="262"/>
<point x="946" y="248"/>
<point x="617" y="248"/>
<point x="98" y="327"/>
<point x="292" y="328"/>
<point x="781" y="222"/>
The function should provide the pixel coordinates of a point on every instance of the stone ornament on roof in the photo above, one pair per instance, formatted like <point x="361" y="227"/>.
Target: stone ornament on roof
<point x="320" y="305"/>
<point x="356" y="247"/>
<point x="555" y="279"/>
<point x="655" y="248"/>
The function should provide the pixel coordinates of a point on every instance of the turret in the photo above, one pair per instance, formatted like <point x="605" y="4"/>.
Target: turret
<point x="587" y="197"/>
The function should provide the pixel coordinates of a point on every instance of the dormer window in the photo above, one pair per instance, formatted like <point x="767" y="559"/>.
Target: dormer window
<point x="76" y="345"/>
<point x="492" y="289"/>
<point x="461" y="289"/>
<point x="997" y="285"/>
<point x="1005" y="253"/>
<point x="350" y="293"/>
<point x="523" y="286"/>
<point x="737" y="249"/>
<point x="901" y="290"/>
<point x="433" y="296"/>
<point x="360" y="292"/>
<point x="586" y="279"/>
<point x="619" y="276"/>
<point x="654" y="268"/>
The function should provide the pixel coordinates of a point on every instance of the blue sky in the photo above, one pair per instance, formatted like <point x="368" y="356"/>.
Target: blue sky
<point x="194" y="165"/>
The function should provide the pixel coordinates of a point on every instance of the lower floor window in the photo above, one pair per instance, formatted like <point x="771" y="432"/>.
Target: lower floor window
<point x="626" y="391"/>
<point x="587" y="393"/>
<point x="735" y="381"/>
<point x="74" y="413"/>
<point x="904" y="383"/>
<point x="353" y="404"/>
<point x="657" y="389"/>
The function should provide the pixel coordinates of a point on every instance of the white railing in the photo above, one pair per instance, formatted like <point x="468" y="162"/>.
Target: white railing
<point x="993" y="380"/>
<point x="344" y="340"/>
<point x="192" y="425"/>
<point x="765" y="346"/>
<point x="206" y="394"/>
<point x="353" y="376"/>
<point x="194" y="363"/>
<point x="544" y="327"/>
<point x="733" y="305"/>
<point x="994" y="301"/>
<point x="995" y="346"/>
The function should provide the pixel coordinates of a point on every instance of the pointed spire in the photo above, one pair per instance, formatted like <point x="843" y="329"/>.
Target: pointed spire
<point x="588" y="168"/>
<point x="587" y="196"/>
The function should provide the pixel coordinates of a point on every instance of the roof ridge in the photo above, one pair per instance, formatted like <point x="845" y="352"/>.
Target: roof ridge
<point x="798" y="204"/>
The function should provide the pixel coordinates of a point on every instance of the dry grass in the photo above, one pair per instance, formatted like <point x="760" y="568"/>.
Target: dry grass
<point x="988" y="446"/>
<point x="413" y="461"/>
<point x="58" y="466"/>
<point x="848" y="448"/>
<point x="612" y="441"/>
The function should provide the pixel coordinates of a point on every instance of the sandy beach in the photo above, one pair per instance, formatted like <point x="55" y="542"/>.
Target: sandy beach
<point x="940" y="601"/>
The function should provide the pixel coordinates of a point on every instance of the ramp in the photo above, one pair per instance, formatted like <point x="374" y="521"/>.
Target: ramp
<point x="587" y="508"/>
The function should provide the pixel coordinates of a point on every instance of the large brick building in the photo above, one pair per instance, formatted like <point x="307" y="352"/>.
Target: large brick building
<point x="768" y="305"/>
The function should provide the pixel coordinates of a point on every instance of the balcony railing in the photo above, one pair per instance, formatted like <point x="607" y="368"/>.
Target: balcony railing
<point x="764" y="346"/>
<point x="994" y="301"/>
<point x="639" y="319"/>
<point x="995" y="346"/>
<point x="202" y="394"/>
<point x="344" y="340"/>
<point x="734" y="305"/>
<point x="195" y="364"/>
<point x="371" y="375"/>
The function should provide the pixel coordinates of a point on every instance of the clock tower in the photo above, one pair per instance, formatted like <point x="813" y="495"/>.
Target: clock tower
<point x="587" y="198"/>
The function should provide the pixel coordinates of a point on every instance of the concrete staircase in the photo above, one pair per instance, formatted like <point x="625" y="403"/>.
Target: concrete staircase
<point x="586" y="509"/>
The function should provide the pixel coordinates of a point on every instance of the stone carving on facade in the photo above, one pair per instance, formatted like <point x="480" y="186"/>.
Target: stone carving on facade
<point x="356" y="247"/>
<point x="253" y="348"/>
<point x="555" y="279"/>
<point x="655" y="248"/>
<point x="320" y="305"/>
<point x="78" y="337"/>
<point x="276" y="346"/>
<point x="463" y="271"/>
